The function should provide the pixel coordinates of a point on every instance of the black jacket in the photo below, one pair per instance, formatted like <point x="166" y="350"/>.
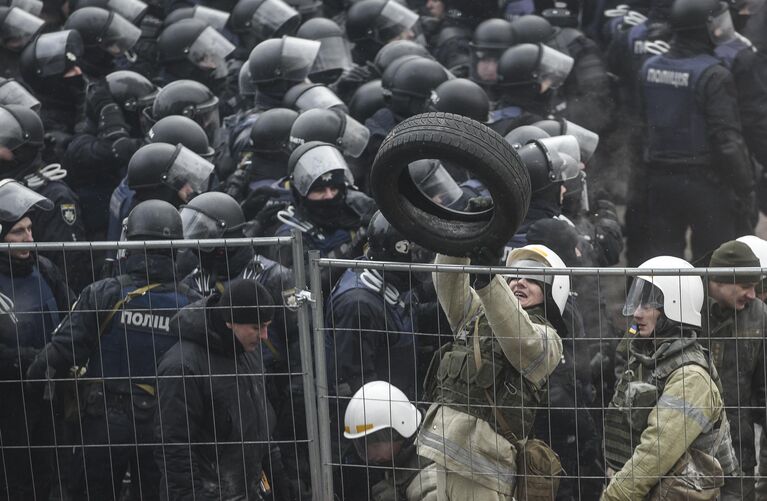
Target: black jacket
<point x="214" y="418"/>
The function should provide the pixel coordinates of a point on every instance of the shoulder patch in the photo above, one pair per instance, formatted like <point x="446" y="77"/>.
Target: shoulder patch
<point x="69" y="213"/>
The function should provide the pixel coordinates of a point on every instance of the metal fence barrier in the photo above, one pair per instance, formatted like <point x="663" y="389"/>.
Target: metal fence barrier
<point x="343" y="341"/>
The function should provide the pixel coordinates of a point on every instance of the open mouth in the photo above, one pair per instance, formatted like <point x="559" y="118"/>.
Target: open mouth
<point x="520" y="295"/>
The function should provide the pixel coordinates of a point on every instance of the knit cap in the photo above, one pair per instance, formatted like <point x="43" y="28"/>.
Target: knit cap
<point x="246" y="301"/>
<point x="734" y="254"/>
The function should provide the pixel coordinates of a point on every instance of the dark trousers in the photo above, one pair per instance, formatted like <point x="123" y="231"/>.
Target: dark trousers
<point x="117" y="435"/>
<point x="662" y="206"/>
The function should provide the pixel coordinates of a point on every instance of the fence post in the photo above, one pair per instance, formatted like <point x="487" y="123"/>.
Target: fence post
<point x="322" y="374"/>
<point x="307" y="367"/>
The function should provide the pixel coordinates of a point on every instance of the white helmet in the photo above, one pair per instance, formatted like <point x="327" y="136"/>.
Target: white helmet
<point x="682" y="295"/>
<point x="537" y="256"/>
<point x="758" y="247"/>
<point x="377" y="406"/>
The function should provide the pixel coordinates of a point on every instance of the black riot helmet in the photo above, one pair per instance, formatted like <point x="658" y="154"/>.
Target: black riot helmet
<point x="397" y="49"/>
<point x="212" y="215"/>
<point x="701" y="20"/>
<point x="154" y="220"/>
<point x="16" y="201"/>
<point x="532" y="29"/>
<point x="520" y="136"/>
<point x="407" y="86"/>
<point x="106" y="36"/>
<point x="533" y="64"/>
<point x="318" y="164"/>
<point x="334" y="56"/>
<point x="190" y="99"/>
<point x="17" y="28"/>
<point x="366" y="100"/>
<point x="257" y="20"/>
<point x="177" y="129"/>
<point x="49" y="57"/>
<point x="131" y="10"/>
<point x="21" y="134"/>
<point x="217" y="19"/>
<point x="461" y="97"/>
<point x="131" y="91"/>
<point x="279" y="63"/>
<point x="271" y="132"/>
<point x="587" y="140"/>
<point x="491" y="38"/>
<point x="550" y="161"/>
<point x="371" y="24"/>
<point x="330" y="126"/>
<point x="13" y="92"/>
<point x="308" y="96"/>
<point x="385" y="243"/>
<point x="163" y="165"/>
<point x="189" y="48"/>
<point x="34" y="7"/>
<point x="247" y="89"/>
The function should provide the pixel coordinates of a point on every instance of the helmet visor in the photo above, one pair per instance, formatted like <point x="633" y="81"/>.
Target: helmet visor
<point x="396" y="22"/>
<point x="215" y="18"/>
<point x="132" y="10"/>
<point x="270" y="17"/>
<point x="298" y="57"/>
<point x="19" y="28"/>
<point x="529" y="263"/>
<point x="34" y="7"/>
<point x="56" y="51"/>
<point x="198" y="225"/>
<point x="245" y="83"/>
<point x="334" y="54"/>
<point x="562" y="144"/>
<point x="209" y="52"/>
<point x="642" y="294"/>
<point x="16" y="200"/>
<point x="189" y="171"/>
<point x="564" y="167"/>
<point x="120" y="35"/>
<point x="355" y="137"/>
<point x="318" y="96"/>
<point x="316" y="163"/>
<point x="587" y="140"/>
<point x="11" y="134"/>
<point x="12" y="92"/>
<point x="554" y="67"/>
<point x="435" y="182"/>
<point x="720" y="27"/>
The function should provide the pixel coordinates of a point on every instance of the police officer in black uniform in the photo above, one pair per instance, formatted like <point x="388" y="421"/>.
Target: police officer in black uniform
<point x="450" y="43"/>
<point x="117" y="332"/>
<point x="698" y="173"/>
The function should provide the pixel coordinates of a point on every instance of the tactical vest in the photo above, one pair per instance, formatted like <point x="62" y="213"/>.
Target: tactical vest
<point x="34" y="306"/>
<point x="637" y="394"/>
<point x="676" y="125"/>
<point x="636" y="38"/>
<point x="460" y="386"/>
<point x="728" y="51"/>
<point x="139" y="332"/>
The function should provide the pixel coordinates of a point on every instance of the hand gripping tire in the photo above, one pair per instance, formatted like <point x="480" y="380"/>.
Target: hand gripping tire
<point x="468" y="144"/>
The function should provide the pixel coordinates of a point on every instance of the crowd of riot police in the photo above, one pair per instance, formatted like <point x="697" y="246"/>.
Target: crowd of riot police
<point x="133" y="120"/>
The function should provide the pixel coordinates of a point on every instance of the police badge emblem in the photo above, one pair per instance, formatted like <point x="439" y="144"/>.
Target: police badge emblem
<point x="68" y="213"/>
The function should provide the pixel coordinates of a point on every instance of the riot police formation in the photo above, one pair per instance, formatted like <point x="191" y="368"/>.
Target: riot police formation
<point x="131" y="120"/>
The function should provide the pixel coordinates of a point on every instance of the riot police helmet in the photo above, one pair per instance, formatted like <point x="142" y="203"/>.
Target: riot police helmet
<point x="177" y="129"/>
<point x="330" y="126"/>
<point x="13" y="92"/>
<point x="192" y="42"/>
<point x="693" y="14"/>
<point x="131" y="10"/>
<point x="131" y="91"/>
<point x="176" y="167"/>
<point x="16" y="200"/>
<point x="217" y="19"/>
<point x="371" y="24"/>
<point x="407" y="86"/>
<point x="212" y="215"/>
<point x="271" y="132"/>
<point x="17" y="28"/>
<point x="461" y="97"/>
<point x="34" y="7"/>
<point x="245" y="84"/>
<point x="491" y="38"/>
<point x="318" y="164"/>
<point x="587" y="140"/>
<point x="334" y="55"/>
<point x="366" y="100"/>
<point x="21" y="136"/>
<point x="434" y="181"/>
<point x="532" y="29"/>
<point x="550" y="161"/>
<point x="282" y="61"/>
<point x="257" y="20"/>
<point x="520" y="136"/>
<point x="397" y="49"/>
<point x="154" y="220"/>
<point x="528" y="64"/>
<point x="101" y="29"/>
<point x="386" y="243"/>
<point x="45" y="61"/>
<point x="308" y="96"/>
<point x="190" y="99"/>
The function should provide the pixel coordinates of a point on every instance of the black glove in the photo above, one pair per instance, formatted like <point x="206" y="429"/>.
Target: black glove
<point x="97" y="95"/>
<point x="747" y="211"/>
<point x="237" y="184"/>
<point x="112" y="125"/>
<point x="479" y="204"/>
<point x="350" y="81"/>
<point x="485" y="256"/>
<point x="37" y="377"/>
<point x="257" y="200"/>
